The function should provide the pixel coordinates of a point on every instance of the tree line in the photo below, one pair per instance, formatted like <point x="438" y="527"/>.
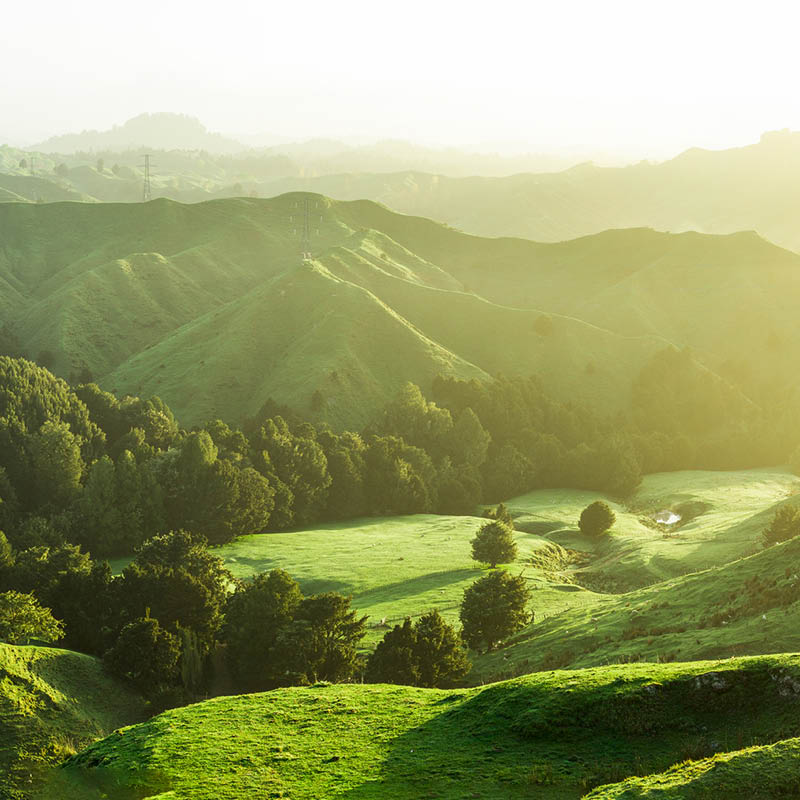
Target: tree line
<point x="79" y="465"/>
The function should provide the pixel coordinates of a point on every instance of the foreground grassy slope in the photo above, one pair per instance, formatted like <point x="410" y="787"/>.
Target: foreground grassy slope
<point x="761" y="772"/>
<point x="551" y="735"/>
<point x="52" y="703"/>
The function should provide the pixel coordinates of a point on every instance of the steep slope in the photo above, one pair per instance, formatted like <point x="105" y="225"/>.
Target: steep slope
<point x="129" y="292"/>
<point x="52" y="703"/>
<point x="552" y="735"/>
<point x="305" y="331"/>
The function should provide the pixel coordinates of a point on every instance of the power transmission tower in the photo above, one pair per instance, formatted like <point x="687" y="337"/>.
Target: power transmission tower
<point x="305" y="229"/>
<point x="146" y="194"/>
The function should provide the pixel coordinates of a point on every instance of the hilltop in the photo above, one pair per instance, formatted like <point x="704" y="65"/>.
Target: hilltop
<point x="210" y="307"/>
<point x="698" y="190"/>
<point x="161" y="130"/>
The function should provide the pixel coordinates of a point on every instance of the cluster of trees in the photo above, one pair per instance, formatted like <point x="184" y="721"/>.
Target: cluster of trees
<point x="161" y="621"/>
<point x="83" y="466"/>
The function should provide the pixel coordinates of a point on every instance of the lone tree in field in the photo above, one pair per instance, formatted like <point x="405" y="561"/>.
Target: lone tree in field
<point x="785" y="525"/>
<point x="596" y="518"/>
<point x="494" y="544"/>
<point x="429" y="653"/>
<point x="493" y="608"/>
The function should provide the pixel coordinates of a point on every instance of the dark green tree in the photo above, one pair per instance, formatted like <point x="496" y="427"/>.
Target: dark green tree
<point x="596" y="518"/>
<point x="147" y="655"/>
<point x="507" y="472"/>
<point x="439" y="652"/>
<point x="180" y="582"/>
<point x="494" y="544"/>
<point x="785" y="525"/>
<point x="500" y="513"/>
<point x="394" y="659"/>
<point x="493" y="608"/>
<point x="254" y="617"/>
<point x="321" y="644"/>
<point x="6" y="556"/>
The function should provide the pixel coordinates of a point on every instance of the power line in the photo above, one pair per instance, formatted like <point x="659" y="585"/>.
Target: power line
<point x="146" y="193"/>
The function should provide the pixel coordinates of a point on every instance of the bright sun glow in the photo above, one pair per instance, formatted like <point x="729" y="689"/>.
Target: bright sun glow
<point x="647" y="78"/>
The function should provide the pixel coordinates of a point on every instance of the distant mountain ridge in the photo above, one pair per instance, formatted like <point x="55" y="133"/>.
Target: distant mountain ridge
<point x="163" y="131"/>
<point x="698" y="190"/>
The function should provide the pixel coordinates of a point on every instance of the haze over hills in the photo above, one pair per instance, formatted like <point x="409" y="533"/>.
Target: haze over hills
<point x="209" y="306"/>
<point x="165" y="131"/>
<point x="698" y="190"/>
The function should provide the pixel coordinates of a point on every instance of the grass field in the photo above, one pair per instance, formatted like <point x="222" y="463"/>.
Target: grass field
<point x="52" y="703"/>
<point x="551" y="735"/>
<point x="406" y="565"/>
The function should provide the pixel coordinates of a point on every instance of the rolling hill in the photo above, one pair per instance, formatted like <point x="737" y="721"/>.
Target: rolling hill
<point x="52" y="703"/>
<point x="210" y="306"/>
<point x="554" y="735"/>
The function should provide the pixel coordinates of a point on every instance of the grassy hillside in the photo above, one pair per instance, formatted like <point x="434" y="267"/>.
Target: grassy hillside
<point x="52" y="703"/>
<point x="404" y="566"/>
<point x="550" y="735"/>
<point x="210" y="306"/>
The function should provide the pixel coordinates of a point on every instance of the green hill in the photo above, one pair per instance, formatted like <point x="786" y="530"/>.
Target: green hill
<point x="52" y="703"/>
<point x="549" y="735"/>
<point x="210" y="306"/>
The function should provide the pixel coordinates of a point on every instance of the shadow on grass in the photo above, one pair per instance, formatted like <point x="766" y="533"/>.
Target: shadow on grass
<point x="433" y="581"/>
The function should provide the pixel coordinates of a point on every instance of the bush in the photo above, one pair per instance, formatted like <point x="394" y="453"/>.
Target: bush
<point x="596" y="518"/>
<point x="785" y="525"/>
<point x="493" y="608"/>
<point x="23" y="619"/>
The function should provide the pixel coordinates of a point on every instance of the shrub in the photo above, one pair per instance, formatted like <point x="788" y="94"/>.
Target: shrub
<point x="785" y="525"/>
<point x="23" y="619"/>
<point x="596" y="518"/>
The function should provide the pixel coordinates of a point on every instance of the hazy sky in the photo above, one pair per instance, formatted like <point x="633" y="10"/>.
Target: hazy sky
<point x="650" y="77"/>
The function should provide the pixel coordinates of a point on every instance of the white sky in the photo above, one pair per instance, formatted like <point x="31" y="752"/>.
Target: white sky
<point x="644" y="76"/>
